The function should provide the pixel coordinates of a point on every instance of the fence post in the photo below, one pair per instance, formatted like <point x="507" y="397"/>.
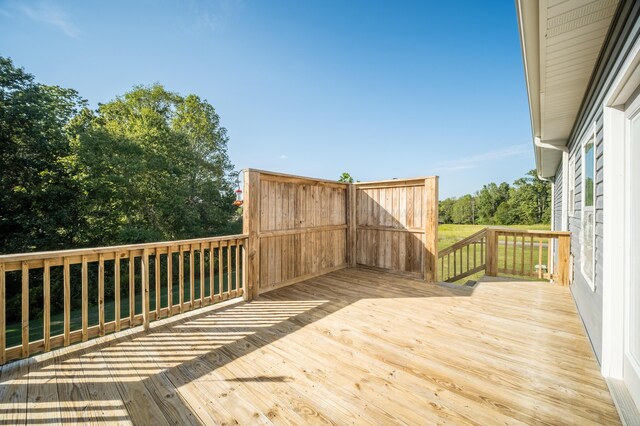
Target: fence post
<point x="251" y="227"/>
<point x="351" y="224"/>
<point x="431" y="230"/>
<point x="564" y="253"/>
<point x="491" y="257"/>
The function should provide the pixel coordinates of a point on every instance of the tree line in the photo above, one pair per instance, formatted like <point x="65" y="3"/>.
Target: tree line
<point x="527" y="201"/>
<point x="149" y="165"/>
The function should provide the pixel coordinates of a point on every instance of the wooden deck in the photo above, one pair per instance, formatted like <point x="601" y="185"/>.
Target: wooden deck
<point x="351" y="347"/>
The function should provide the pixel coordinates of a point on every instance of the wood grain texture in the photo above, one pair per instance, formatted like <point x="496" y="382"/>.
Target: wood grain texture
<point x="300" y="226"/>
<point x="329" y="351"/>
<point x="396" y="226"/>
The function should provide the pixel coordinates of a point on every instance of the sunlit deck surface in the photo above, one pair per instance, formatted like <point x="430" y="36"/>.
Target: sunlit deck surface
<point x="351" y="347"/>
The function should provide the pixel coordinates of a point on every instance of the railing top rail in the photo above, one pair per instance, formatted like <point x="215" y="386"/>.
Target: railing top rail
<point x="471" y="238"/>
<point x="532" y="232"/>
<point x="19" y="257"/>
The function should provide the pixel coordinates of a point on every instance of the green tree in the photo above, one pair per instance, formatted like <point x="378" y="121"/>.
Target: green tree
<point x="462" y="211"/>
<point x="445" y="207"/>
<point x="152" y="165"/>
<point x="488" y="199"/>
<point x="37" y="194"/>
<point x="345" y="177"/>
<point x="532" y="197"/>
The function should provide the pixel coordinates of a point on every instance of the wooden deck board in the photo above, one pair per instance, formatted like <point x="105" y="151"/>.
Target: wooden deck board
<point x="354" y="346"/>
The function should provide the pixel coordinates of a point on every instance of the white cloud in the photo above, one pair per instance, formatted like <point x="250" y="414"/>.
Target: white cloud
<point x="475" y="161"/>
<point x="50" y="14"/>
<point x="282" y="157"/>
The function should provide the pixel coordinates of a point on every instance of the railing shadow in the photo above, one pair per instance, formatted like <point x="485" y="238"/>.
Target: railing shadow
<point x="144" y="377"/>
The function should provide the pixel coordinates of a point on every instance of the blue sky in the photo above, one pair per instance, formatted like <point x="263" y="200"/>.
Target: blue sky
<point x="379" y="89"/>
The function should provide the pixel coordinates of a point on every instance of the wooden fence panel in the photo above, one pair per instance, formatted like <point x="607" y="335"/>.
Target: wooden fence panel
<point x="299" y="229"/>
<point x="396" y="226"/>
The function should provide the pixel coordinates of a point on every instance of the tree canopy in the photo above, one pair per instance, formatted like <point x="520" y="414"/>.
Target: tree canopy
<point x="527" y="202"/>
<point x="149" y="165"/>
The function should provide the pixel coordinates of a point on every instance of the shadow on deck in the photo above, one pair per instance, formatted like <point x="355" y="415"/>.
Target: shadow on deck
<point x="353" y="346"/>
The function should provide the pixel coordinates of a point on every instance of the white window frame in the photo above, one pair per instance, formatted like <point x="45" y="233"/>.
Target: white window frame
<point x="589" y="138"/>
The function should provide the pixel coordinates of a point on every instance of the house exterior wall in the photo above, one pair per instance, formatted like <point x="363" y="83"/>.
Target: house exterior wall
<point x="623" y="33"/>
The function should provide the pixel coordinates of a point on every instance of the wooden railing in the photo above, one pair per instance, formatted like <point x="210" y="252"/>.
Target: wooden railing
<point x="464" y="258"/>
<point x="507" y="251"/>
<point x="158" y="271"/>
<point x="527" y="253"/>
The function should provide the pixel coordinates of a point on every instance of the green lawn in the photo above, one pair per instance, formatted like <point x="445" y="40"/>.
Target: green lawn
<point x="450" y="234"/>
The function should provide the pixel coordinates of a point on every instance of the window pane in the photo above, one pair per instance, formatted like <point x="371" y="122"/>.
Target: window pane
<point x="588" y="174"/>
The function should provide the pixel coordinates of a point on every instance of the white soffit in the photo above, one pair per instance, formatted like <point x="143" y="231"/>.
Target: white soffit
<point x="561" y="41"/>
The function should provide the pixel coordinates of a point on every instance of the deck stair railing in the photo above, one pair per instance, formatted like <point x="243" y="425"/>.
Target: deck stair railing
<point x="510" y="252"/>
<point x="464" y="258"/>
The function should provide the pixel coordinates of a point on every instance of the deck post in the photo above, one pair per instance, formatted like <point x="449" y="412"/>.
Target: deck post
<point x="431" y="230"/>
<point x="251" y="227"/>
<point x="491" y="256"/>
<point x="564" y="253"/>
<point x="351" y="225"/>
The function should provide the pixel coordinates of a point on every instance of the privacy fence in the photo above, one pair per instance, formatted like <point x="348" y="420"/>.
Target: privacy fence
<point x="295" y="228"/>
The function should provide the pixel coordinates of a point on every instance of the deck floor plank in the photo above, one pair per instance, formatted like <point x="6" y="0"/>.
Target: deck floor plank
<point x="355" y="346"/>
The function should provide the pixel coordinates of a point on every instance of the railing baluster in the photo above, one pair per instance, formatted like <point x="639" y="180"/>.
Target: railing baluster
<point x="169" y="281"/>
<point x="467" y="258"/>
<point x="531" y="247"/>
<point x="522" y="257"/>
<point x="455" y="268"/>
<point x="25" y="309"/>
<point x="181" y="278"/>
<point x="85" y="299"/>
<point x="540" y="258"/>
<point x="513" y="264"/>
<point x="144" y="266"/>
<point x="229" y="268"/>
<point x="211" y="273"/>
<point x="220" y="271"/>
<point x="506" y="250"/>
<point x="46" y="292"/>
<point x="3" y="316"/>
<point x="237" y="285"/>
<point x="67" y="300"/>
<point x="156" y="264"/>
<point x="132" y="288"/>
<point x="116" y="289"/>
<point x="202" y="283"/>
<point x="101" y="294"/>
<point x="192" y="298"/>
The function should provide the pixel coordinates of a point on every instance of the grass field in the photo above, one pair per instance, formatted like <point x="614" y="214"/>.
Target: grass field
<point x="450" y="234"/>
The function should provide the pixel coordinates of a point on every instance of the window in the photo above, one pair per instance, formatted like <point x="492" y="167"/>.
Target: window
<point x="587" y="236"/>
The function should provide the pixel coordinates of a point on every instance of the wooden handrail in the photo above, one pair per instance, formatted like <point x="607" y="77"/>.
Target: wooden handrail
<point x="469" y="257"/>
<point x="145" y="263"/>
<point x="509" y="251"/>
<point x="463" y="242"/>
<point x="519" y="252"/>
